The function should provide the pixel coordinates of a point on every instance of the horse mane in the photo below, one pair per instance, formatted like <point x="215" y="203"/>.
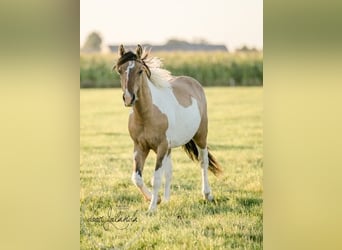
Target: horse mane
<point x="160" y="77"/>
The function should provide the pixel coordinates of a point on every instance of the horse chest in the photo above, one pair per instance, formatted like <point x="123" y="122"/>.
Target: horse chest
<point x="148" y="134"/>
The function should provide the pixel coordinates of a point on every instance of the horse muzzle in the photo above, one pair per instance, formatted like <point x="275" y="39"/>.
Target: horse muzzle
<point x="128" y="99"/>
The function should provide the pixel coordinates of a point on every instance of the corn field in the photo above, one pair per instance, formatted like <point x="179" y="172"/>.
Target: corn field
<point x="209" y="68"/>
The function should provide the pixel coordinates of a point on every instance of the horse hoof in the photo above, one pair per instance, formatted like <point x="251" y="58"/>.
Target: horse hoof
<point x="166" y="200"/>
<point x="158" y="201"/>
<point x="208" y="197"/>
<point x="152" y="210"/>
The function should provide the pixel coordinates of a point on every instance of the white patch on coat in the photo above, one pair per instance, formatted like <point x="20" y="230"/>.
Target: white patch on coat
<point x="128" y="96"/>
<point x="183" y="122"/>
<point x="131" y="65"/>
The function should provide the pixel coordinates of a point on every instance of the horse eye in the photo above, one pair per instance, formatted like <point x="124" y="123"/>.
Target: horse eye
<point x="140" y="71"/>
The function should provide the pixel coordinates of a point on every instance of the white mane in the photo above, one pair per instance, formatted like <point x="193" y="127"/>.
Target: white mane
<point x="159" y="77"/>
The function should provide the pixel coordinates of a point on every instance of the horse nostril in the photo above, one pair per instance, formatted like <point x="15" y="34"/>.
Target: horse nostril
<point x="123" y="97"/>
<point x="133" y="98"/>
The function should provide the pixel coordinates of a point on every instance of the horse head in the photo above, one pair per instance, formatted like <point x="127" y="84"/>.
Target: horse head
<point x="130" y="67"/>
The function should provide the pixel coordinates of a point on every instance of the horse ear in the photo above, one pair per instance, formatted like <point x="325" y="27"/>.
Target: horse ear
<point x="139" y="51"/>
<point x="121" y="50"/>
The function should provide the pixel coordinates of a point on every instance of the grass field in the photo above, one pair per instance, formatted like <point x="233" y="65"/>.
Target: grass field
<point x="113" y="212"/>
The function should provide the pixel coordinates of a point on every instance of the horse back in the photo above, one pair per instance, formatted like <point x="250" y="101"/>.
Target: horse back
<point x="184" y="88"/>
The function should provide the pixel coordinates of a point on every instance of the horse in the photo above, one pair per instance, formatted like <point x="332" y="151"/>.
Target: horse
<point x="166" y="112"/>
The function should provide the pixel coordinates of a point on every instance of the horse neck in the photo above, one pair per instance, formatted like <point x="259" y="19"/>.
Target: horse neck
<point x="143" y="106"/>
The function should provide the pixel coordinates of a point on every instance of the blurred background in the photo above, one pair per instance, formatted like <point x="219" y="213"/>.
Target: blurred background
<point x="220" y="43"/>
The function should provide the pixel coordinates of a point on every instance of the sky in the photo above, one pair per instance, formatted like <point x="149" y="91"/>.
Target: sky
<point x="233" y="23"/>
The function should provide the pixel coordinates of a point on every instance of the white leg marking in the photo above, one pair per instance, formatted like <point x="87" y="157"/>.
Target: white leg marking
<point x="157" y="180"/>
<point x="138" y="181"/>
<point x="204" y="161"/>
<point x="168" y="178"/>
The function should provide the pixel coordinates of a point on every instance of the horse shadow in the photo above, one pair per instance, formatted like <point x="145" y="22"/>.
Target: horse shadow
<point x="237" y="202"/>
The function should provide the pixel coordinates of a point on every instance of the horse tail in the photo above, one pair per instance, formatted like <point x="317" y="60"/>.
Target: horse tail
<point x="214" y="166"/>
<point x="191" y="150"/>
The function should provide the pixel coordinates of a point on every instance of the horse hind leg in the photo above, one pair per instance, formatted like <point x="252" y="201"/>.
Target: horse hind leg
<point x="200" y="140"/>
<point x="204" y="161"/>
<point x="201" y="154"/>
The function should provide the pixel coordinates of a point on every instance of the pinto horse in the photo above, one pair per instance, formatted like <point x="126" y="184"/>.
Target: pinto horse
<point x="167" y="112"/>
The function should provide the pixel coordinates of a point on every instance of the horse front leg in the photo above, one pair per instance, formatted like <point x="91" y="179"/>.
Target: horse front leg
<point x="162" y="155"/>
<point x="168" y="176"/>
<point x="139" y="157"/>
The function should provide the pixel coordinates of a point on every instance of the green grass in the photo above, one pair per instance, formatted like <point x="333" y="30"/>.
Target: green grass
<point x="234" y="221"/>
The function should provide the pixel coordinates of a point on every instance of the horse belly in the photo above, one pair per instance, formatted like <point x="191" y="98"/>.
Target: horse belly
<point x="183" y="124"/>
